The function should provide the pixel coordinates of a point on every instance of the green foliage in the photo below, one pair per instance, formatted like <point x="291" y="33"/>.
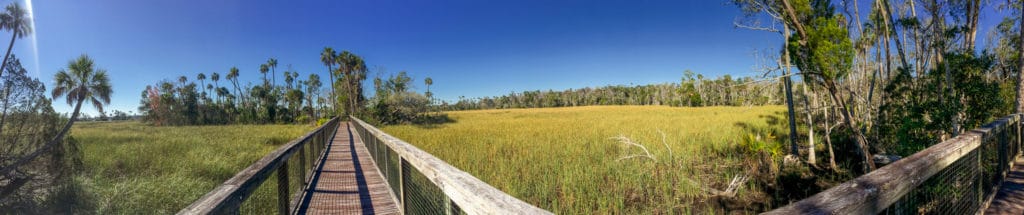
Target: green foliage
<point x="27" y="123"/>
<point x="394" y="103"/>
<point x="767" y="145"/>
<point x="918" y="113"/>
<point x="827" y="52"/>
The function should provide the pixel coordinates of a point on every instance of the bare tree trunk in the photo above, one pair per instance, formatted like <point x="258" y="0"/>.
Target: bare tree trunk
<point x="889" y="26"/>
<point x="1020" y="75"/>
<point x="7" y="100"/>
<point x="794" y="150"/>
<point x="811" y="158"/>
<point x="334" y="99"/>
<point x="848" y="119"/>
<point x="973" y="7"/>
<point x="828" y="138"/>
<point x="3" y="65"/>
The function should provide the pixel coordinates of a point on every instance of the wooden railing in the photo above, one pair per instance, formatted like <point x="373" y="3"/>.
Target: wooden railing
<point x="424" y="184"/>
<point x="957" y="176"/>
<point x="291" y="163"/>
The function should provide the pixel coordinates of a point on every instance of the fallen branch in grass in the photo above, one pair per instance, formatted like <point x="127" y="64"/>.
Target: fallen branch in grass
<point x="664" y="142"/>
<point x="730" y="190"/>
<point x="626" y="141"/>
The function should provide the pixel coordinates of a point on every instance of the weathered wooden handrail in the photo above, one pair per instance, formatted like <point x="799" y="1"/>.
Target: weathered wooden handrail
<point x="228" y="197"/>
<point x="874" y="192"/>
<point x="467" y="192"/>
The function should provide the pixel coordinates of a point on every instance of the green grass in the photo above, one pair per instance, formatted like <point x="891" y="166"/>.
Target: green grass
<point x="565" y="160"/>
<point x="134" y="168"/>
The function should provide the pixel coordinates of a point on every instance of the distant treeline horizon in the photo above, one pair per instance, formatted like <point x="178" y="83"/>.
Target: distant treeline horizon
<point x="692" y="91"/>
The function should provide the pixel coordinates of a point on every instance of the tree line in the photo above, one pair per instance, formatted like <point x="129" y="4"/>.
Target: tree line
<point x="692" y="91"/>
<point x="297" y="100"/>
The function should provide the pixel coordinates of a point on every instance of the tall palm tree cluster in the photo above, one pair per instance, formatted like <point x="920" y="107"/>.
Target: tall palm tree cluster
<point x="297" y="100"/>
<point x="348" y="77"/>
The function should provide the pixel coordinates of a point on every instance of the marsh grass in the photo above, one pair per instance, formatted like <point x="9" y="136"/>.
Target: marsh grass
<point x="565" y="159"/>
<point x="135" y="168"/>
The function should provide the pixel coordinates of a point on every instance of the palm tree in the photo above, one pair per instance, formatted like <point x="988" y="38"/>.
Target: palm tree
<point x="272" y="63"/>
<point x="233" y="77"/>
<point x="263" y="70"/>
<point x="430" y="99"/>
<point x="80" y="83"/>
<point x="327" y="56"/>
<point x="288" y="79"/>
<point x="312" y="88"/>
<point x="182" y="79"/>
<point x="215" y="77"/>
<point x="202" y="81"/>
<point x="429" y="82"/>
<point x="15" y="19"/>
<point x="353" y="69"/>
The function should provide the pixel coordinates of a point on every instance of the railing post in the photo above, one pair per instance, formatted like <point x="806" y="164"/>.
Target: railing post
<point x="1004" y="153"/>
<point x="282" y="189"/>
<point x="401" y="185"/>
<point x="979" y="169"/>
<point x="302" y="163"/>
<point x="447" y="205"/>
<point x="384" y="159"/>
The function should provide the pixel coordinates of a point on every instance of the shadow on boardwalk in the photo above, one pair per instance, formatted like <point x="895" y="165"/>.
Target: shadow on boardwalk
<point x="1010" y="198"/>
<point x="347" y="181"/>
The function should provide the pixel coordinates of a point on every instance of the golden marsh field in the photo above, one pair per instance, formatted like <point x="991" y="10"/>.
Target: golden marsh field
<point x="569" y="160"/>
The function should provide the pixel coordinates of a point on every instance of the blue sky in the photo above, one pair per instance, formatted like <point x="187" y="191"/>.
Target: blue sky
<point x="470" y="48"/>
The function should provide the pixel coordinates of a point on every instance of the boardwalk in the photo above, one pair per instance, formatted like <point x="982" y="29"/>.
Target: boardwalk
<point x="348" y="182"/>
<point x="1010" y="198"/>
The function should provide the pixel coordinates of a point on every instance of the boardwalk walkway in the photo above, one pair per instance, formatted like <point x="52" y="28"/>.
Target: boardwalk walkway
<point x="347" y="182"/>
<point x="1010" y="198"/>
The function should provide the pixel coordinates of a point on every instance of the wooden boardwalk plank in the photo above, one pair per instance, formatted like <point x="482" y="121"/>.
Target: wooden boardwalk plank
<point x="1010" y="198"/>
<point x="347" y="182"/>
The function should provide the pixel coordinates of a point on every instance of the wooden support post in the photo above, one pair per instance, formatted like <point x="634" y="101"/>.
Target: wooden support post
<point x="979" y="174"/>
<point x="385" y="164"/>
<point x="282" y="189"/>
<point x="302" y="163"/>
<point x="1004" y="154"/>
<point x="448" y="206"/>
<point x="401" y="184"/>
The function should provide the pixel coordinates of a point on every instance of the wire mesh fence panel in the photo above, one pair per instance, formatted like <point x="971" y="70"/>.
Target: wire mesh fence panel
<point x="296" y="180"/>
<point x="989" y="164"/>
<point x="393" y="171"/>
<point x="953" y="190"/>
<point x="421" y="195"/>
<point x="263" y="200"/>
<point x="380" y="157"/>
